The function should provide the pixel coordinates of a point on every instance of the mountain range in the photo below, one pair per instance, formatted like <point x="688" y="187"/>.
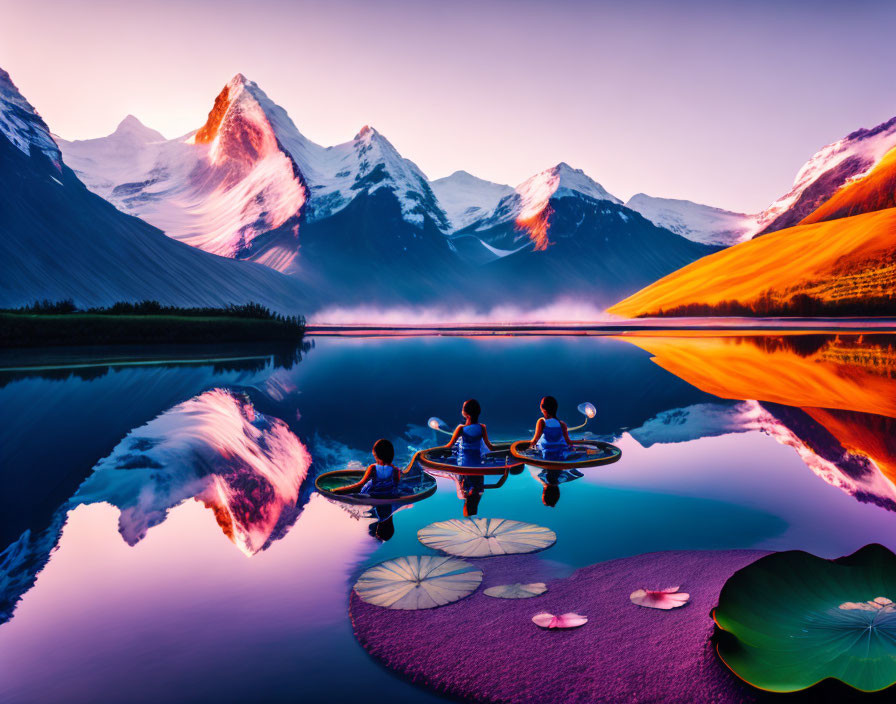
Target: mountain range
<point x="825" y="248"/>
<point x="62" y="241"/>
<point x="358" y="223"/>
<point x="214" y="211"/>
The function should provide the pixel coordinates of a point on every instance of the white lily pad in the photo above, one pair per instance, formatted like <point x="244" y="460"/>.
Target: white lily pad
<point x="482" y="537"/>
<point x="418" y="582"/>
<point x="517" y="591"/>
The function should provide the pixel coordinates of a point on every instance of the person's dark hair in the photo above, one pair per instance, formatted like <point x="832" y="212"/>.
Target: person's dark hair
<point x="549" y="403"/>
<point x="551" y="495"/>
<point x="382" y="530"/>
<point x="471" y="504"/>
<point x="472" y="409"/>
<point x="383" y="450"/>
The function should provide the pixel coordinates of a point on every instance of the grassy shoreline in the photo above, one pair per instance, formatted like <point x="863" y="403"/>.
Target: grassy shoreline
<point x="27" y="329"/>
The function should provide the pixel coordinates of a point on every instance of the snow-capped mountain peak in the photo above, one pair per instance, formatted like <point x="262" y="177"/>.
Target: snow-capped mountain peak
<point x="218" y="189"/>
<point x="831" y="167"/>
<point x="245" y="124"/>
<point x="466" y="198"/>
<point x="238" y="127"/>
<point x="559" y="181"/>
<point x="368" y="163"/>
<point x="131" y="128"/>
<point x="245" y="173"/>
<point x="21" y="125"/>
<point x="697" y="222"/>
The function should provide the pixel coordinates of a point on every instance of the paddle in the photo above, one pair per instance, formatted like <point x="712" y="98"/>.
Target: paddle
<point x="438" y="425"/>
<point x="588" y="410"/>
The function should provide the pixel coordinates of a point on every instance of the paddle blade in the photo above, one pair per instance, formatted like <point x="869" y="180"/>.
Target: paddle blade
<point x="587" y="409"/>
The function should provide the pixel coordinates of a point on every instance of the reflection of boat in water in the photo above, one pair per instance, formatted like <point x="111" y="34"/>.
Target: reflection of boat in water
<point x="383" y="527"/>
<point x="471" y="487"/>
<point x="830" y="397"/>
<point x="411" y="488"/>
<point x="449" y="459"/>
<point x="582" y="453"/>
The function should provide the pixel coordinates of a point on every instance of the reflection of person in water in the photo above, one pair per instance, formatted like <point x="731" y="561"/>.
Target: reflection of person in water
<point x="551" y="435"/>
<point x="471" y="438"/>
<point x="551" y="479"/>
<point x="381" y="478"/>
<point x="470" y="490"/>
<point x="383" y="528"/>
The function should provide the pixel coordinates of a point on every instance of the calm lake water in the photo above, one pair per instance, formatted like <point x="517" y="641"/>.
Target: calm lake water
<point x="162" y="540"/>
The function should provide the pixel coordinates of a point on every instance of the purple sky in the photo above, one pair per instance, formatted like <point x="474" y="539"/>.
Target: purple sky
<point x="714" y="101"/>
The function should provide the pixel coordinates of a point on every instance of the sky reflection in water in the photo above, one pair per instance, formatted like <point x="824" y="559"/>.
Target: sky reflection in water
<point x="728" y="443"/>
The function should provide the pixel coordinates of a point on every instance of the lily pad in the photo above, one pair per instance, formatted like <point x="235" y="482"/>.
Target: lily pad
<point x="570" y="620"/>
<point x="791" y="619"/>
<point x="418" y="582"/>
<point x="668" y="598"/>
<point x="482" y="537"/>
<point x="517" y="591"/>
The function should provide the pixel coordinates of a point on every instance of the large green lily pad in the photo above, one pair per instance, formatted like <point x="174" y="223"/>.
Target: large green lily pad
<point x="792" y="619"/>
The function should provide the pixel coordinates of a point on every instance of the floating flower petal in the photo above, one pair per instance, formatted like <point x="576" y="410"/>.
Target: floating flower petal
<point x="568" y="620"/>
<point x="668" y="598"/>
<point x="880" y="603"/>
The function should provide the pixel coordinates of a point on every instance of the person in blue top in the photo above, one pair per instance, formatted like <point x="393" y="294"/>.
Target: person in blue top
<point x="551" y="435"/>
<point x="471" y="438"/>
<point x="380" y="478"/>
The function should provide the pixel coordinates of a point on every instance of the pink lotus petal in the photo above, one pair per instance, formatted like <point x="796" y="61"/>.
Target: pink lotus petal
<point x="569" y="620"/>
<point x="669" y="598"/>
<point x="880" y="603"/>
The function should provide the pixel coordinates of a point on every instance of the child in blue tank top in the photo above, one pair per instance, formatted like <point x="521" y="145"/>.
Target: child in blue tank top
<point x="471" y="438"/>
<point x="551" y="435"/>
<point x="380" y="478"/>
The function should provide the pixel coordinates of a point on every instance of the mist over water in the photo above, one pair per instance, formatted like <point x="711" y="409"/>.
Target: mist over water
<point x="564" y="310"/>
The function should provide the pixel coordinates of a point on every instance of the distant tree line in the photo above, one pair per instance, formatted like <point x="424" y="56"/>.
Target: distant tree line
<point x="244" y="310"/>
<point x="146" y="322"/>
<point x="800" y="305"/>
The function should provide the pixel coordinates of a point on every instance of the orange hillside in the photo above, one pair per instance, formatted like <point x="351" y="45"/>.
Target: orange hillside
<point x="875" y="191"/>
<point x="851" y="261"/>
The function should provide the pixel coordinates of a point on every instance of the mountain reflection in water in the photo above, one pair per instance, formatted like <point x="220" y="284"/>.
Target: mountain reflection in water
<point x="830" y="397"/>
<point x="216" y="448"/>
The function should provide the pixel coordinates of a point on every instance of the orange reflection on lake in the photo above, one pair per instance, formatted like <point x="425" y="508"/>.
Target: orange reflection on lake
<point x="845" y="383"/>
<point x="846" y="372"/>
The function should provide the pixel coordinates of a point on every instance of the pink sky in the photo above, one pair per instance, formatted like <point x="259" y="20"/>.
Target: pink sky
<point x="712" y="101"/>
